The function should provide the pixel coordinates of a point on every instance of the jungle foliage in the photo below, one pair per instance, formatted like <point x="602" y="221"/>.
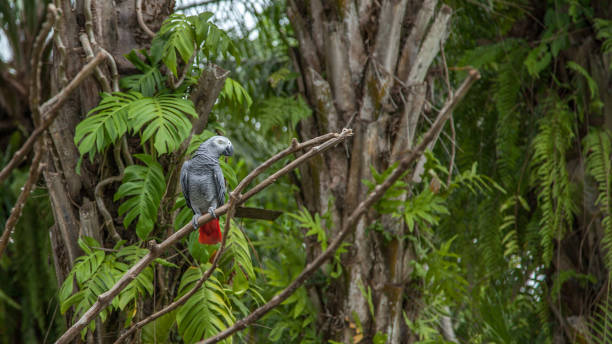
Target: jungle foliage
<point x="512" y="238"/>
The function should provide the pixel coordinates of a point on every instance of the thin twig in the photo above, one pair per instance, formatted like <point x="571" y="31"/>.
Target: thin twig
<point x="451" y="164"/>
<point x="235" y="195"/>
<point x="155" y="249"/>
<point x="108" y="219"/>
<point x="361" y="209"/>
<point x="196" y="287"/>
<point x="452" y="122"/>
<point x="37" y="52"/>
<point x="176" y="83"/>
<point x="113" y="68"/>
<point x="59" y="44"/>
<point x="35" y="170"/>
<point x="126" y="151"/>
<point x="141" y="22"/>
<point x="89" y="22"/>
<point x="102" y="79"/>
<point x="92" y="39"/>
<point x="48" y="113"/>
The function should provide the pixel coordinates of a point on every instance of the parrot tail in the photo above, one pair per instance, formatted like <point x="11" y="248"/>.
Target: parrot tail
<point x="210" y="233"/>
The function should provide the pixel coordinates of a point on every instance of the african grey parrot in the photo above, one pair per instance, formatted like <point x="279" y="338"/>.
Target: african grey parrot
<point x="203" y="185"/>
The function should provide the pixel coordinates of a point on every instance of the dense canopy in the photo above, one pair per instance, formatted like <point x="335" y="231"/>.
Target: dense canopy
<point x="442" y="170"/>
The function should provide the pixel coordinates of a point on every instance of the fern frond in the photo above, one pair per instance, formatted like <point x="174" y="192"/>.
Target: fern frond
<point x="235" y="97"/>
<point x="599" y="324"/>
<point x="604" y="33"/>
<point x="280" y="115"/>
<point x="96" y="272"/>
<point x="207" y="312"/>
<point x="238" y="258"/>
<point x="551" y="176"/>
<point x="144" y="186"/>
<point x="598" y="152"/>
<point x="509" y="148"/>
<point x="313" y="224"/>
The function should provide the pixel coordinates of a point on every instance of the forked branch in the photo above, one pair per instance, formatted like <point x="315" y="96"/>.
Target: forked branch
<point x="35" y="170"/>
<point x="320" y="144"/>
<point x="359" y="211"/>
<point x="49" y="111"/>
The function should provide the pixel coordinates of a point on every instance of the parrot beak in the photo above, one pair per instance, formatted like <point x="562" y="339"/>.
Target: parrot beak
<point x="229" y="151"/>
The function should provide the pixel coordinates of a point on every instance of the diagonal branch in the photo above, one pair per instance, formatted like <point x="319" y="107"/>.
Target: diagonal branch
<point x="359" y="211"/>
<point x="324" y="142"/>
<point x="234" y="196"/>
<point x="199" y="283"/>
<point x="35" y="170"/>
<point x="48" y="113"/>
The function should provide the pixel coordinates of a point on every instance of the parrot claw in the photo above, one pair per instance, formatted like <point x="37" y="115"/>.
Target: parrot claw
<point x="195" y="221"/>
<point x="211" y="211"/>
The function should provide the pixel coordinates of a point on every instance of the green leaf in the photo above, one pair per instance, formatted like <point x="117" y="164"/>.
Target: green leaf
<point x="593" y="88"/>
<point x="144" y="187"/>
<point x="207" y="312"/>
<point x="538" y="59"/>
<point x="158" y="331"/>
<point x="163" y="118"/>
<point x="175" y="35"/>
<point x="379" y="338"/>
<point x="7" y="300"/>
<point x="105" y="123"/>
<point x="235" y="97"/>
<point x="147" y="83"/>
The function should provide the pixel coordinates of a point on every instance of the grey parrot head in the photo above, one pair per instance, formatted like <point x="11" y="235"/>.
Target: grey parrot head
<point x="217" y="146"/>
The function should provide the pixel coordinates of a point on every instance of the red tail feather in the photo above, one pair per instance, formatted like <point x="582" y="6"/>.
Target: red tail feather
<point x="210" y="233"/>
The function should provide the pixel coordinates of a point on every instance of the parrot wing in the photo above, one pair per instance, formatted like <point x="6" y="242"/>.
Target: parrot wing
<point x="185" y="183"/>
<point x="219" y="185"/>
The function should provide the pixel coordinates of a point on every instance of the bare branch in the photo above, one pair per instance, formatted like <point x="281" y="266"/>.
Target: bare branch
<point x="176" y="83"/>
<point x="156" y="250"/>
<point x="89" y="22"/>
<point x="92" y="39"/>
<point x="200" y="282"/>
<point x="59" y="44"/>
<point x="108" y="219"/>
<point x="36" y="64"/>
<point x="234" y="197"/>
<point x="350" y="223"/>
<point x="102" y="79"/>
<point x="141" y="22"/>
<point x="35" y="170"/>
<point x="48" y="113"/>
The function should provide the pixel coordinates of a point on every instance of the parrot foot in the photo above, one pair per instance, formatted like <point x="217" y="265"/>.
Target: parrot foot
<point x="211" y="211"/>
<point x="195" y="221"/>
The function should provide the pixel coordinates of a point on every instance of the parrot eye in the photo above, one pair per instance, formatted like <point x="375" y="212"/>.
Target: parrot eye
<point x="220" y="142"/>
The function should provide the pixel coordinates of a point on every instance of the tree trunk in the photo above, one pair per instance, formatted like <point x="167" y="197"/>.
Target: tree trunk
<point x="79" y="32"/>
<point x="363" y="65"/>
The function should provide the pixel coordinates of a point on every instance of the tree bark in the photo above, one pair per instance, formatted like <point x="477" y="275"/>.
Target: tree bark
<point x="110" y="26"/>
<point x="363" y="64"/>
